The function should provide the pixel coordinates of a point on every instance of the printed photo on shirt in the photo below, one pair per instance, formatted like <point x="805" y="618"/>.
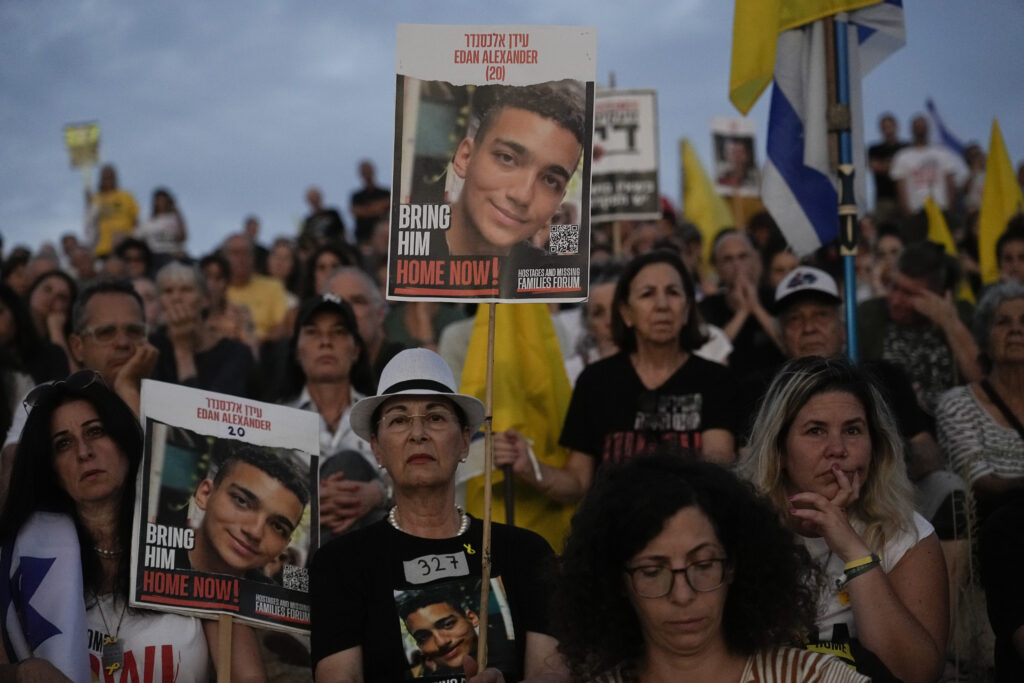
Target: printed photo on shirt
<point x="441" y="623"/>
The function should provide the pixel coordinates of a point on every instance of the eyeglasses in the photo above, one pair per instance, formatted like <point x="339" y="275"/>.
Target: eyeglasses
<point x="401" y="423"/>
<point x="655" y="580"/>
<point x="75" y="381"/>
<point x="106" y="334"/>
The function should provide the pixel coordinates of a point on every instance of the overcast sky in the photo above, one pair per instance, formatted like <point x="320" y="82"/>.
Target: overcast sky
<point x="237" y="107"/>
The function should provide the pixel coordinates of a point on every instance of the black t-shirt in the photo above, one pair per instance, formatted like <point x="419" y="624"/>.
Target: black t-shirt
<point x="359" y="582"/>
<point x="885" y="186"/>
<point x="364" y="226"/>
<point x="226" y="367"/>
<point x="613" y="416"/>
<point x="326" y="223"/>
<point x="752" y="349"/>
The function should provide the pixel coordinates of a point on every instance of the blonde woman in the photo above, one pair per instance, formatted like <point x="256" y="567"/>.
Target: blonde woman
<point x="825" y="450"/>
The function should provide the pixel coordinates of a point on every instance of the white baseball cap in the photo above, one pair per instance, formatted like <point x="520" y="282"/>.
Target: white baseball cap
<point x="805" y="281"/>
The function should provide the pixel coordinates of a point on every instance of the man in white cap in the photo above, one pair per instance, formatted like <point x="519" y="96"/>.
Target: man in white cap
<point x="809" y="312"/>
<point x="419" y="428"/>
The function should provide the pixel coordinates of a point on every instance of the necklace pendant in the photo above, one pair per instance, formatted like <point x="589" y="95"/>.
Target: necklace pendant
<point x="113" y="654"/>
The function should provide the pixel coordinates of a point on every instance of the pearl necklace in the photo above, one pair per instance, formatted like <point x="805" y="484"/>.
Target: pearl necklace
<point x="463" y="520"/>
<point x="103" y="552"/>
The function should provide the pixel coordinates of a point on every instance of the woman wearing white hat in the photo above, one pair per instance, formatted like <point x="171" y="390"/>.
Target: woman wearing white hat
<point x="401" y="597"/>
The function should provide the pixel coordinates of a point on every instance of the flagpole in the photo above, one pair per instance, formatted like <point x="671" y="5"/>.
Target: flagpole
<point x="485" y="559"/>
<point x="839" y="120"/>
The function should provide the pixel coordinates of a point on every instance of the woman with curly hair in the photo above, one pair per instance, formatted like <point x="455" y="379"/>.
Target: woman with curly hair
<point x="674" y="569"/>
<point x="827" y="453"/>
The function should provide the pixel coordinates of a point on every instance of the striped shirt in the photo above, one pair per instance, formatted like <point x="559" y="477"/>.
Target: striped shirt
<point x="973" y="442"/>
<point x="779" y="665"/>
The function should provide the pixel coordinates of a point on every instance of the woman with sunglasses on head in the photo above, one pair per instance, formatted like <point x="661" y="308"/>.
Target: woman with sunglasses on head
<point x="65" y="532"/>
<point x="675" y="570"/>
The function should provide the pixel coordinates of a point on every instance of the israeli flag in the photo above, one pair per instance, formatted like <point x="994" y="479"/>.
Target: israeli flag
<point x="42" y="605"/>
<point x="799" y="186"/>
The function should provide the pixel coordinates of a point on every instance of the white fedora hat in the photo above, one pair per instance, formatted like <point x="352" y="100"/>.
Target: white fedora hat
<point x="415" y="372"/>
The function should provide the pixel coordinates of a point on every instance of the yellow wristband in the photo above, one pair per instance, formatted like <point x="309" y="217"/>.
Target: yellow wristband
<point x="853" y="564"/>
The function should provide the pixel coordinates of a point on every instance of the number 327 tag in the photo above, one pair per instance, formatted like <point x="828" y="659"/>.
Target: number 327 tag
<point x="433" y="567"/>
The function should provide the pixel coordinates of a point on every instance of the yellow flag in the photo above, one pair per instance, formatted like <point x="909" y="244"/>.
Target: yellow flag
<point x="531" y="395"/>
<point x="756" y="26"/>
<point x="938" y="232"/>
<point x="702" y="206"/>
<point x="1001" y="198"/>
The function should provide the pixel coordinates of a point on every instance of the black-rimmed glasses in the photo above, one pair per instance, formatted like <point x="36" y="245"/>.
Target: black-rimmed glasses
<point x="655" y="580"/>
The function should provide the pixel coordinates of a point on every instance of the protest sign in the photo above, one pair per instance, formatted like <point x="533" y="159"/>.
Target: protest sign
<point x="493" y="142"/>
<point x="226" y="514"/>
<point x="625" y="176"/>
<point x="83" y="143"/>
<point x="736" y="169"/>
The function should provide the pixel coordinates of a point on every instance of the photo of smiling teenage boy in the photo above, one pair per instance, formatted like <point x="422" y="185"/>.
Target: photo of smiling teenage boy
<point x="516" y="167"/>
<point x="251" y="506"/>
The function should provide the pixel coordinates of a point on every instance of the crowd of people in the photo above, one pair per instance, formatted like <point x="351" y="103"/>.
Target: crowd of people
<point x="752" y="505"/>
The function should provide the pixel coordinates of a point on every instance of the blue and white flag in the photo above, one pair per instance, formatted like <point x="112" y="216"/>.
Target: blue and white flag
<point x="942" y="132"/>
<point x="42" y="606"/>
<point x="799" y="185"/>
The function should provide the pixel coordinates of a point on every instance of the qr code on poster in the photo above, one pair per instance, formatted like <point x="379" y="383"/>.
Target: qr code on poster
<point x="565" y="239"/>
<point x="295" y="578"/>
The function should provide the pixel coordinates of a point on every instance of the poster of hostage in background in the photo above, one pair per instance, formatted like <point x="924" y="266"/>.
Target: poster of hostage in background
<point x="736" y="170"/>
<point x="227" y="516"/>
<point x="493" y="146"/>
<point x="624" y="183"/>
<point x="441" y="625"/>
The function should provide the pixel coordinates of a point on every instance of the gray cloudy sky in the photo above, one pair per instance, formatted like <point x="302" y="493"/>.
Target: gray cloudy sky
<point x="238" y="106"/>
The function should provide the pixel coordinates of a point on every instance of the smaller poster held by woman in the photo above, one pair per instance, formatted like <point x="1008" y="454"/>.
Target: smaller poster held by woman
<point x="226" y="518"/>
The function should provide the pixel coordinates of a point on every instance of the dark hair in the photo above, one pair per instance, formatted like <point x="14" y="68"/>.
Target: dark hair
<point x="448" y="593"/>
<point x="163" y="192"/>
<point x="267" y="462"/>
<point x="72" y="290"/>
<point x="346" y="255"/>
<point x="691" y="337"/>
<point x="101" y="287"/>
<point x="26" y="340"/>
<point x="132" y="243"/>
<point x="771" y="598"/>
<point x="68" y="280"/>
<point x="216" y="258"/>
<point x="929" y="261"/>
<point x="35" y="485"/>
<point x="16" y="259"/>
<point x="1014" y="233"/>
<point x="561" y="101"/>
<point x="361" y="374"/>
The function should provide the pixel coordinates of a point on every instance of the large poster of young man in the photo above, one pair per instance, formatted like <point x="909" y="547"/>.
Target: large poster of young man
<point x="625" y="177"/>
<point x="493" y="140"/>
<point x="226" y="518"/>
